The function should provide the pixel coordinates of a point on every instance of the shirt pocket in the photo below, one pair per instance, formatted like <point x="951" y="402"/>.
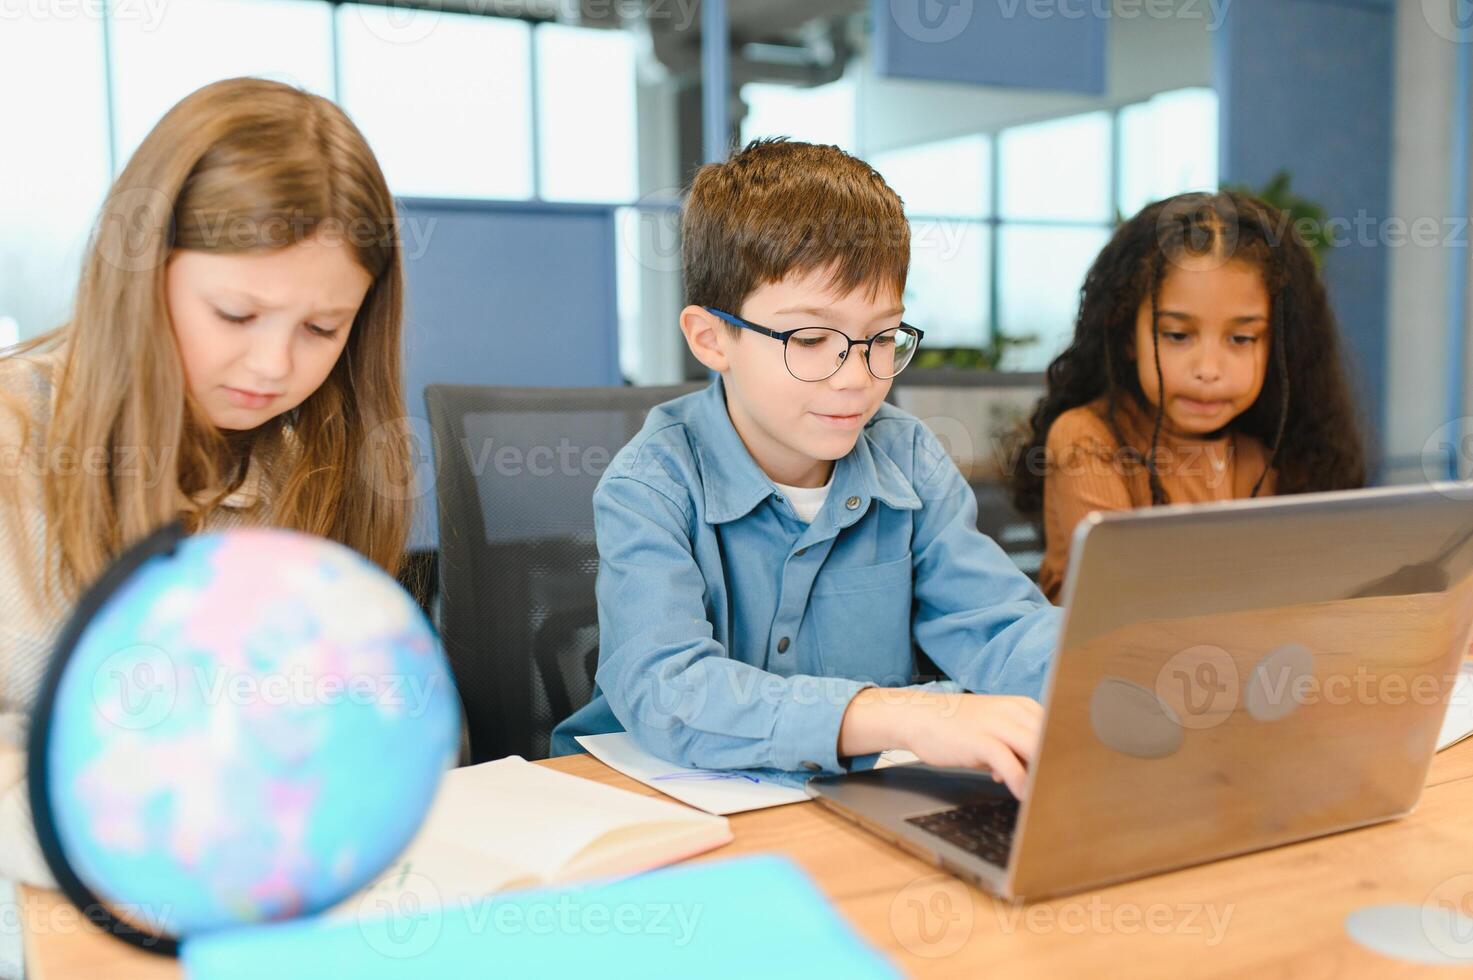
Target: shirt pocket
<point x="862" y="615"/>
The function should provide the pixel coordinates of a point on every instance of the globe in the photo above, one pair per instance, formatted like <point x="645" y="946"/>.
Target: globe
<point x="250" y="726"/>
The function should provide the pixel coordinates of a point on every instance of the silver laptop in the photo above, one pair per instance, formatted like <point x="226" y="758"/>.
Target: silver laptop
<point x="1230" y="677"/>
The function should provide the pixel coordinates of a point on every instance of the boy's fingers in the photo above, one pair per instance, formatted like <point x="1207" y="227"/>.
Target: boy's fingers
<point x="1021" y="740"/>
<point x="1007" y="767"/>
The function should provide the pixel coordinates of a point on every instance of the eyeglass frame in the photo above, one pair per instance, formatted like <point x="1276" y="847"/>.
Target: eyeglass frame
<point x="785" y="335"/>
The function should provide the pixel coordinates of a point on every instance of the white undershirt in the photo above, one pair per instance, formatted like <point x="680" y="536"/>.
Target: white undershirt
<point x="806" y="501"/>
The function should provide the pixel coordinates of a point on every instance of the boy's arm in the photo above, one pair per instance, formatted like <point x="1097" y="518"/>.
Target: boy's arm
<point x="666" y="678"/>
<point x="976" y="615"/>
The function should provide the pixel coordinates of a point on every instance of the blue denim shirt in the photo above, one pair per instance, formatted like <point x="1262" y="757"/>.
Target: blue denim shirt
<point x="733" y="635"/>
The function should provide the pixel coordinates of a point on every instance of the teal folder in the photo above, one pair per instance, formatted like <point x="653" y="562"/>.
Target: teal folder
<point x="748" y="917"/>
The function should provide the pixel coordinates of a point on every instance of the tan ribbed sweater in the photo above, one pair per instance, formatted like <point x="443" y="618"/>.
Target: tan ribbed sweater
<point x="1087" y="471"/>
<point x="29" y="620"/>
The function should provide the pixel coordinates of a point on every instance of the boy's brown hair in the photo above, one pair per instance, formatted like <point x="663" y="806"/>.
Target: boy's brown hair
<point x="779" y="207"/>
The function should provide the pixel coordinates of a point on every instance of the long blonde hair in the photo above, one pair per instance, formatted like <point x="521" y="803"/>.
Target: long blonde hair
<point x="238" y="166"/>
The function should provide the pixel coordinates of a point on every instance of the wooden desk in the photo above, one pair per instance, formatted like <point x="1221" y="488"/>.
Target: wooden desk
<point x="1275" y="913"/>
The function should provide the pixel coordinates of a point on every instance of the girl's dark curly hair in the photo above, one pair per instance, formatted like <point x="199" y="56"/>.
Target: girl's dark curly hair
<point x="1304" y="414"/>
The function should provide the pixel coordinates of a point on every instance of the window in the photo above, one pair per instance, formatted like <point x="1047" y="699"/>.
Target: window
<point x="1040" y="270"/>
<point x="444" y="99"/>
<point x="1055" y="199"/>
<point x="1057" y="170"/>
<point x="586" y="114"/>
<point x="1167" y="146"/>
<point x="947" y="190"/>
<point x="1018" y="270"/>
<point x="950" y="279"/>
<point x="53" y="164"/>
<point x="822" y="114"/>
<point x="192" y="44"/>
<point x="950" y="178"/>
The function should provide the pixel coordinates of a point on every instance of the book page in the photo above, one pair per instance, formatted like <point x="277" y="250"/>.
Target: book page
<point x="540" y="819"/>
<point x="432" y="873"/>
<point x="510" y="824"/>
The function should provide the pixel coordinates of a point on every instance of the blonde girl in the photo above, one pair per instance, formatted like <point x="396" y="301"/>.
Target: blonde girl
<point x="233" y="358"/>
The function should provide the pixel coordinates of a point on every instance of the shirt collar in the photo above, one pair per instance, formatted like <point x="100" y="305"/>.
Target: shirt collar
<point x="734" y="484"/>
<point x="869" y="473"/>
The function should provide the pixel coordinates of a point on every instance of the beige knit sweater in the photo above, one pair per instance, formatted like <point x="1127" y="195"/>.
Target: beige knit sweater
<point x="30" y="621"/>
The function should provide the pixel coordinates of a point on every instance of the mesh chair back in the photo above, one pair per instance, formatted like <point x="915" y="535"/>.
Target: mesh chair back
<point x="515" y="472"/>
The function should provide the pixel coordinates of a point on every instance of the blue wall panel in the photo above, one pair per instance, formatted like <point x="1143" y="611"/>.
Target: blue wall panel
<point x="505" y="293"/>
<point x="1036" y="44"/>
<point x="1307" y="86"/>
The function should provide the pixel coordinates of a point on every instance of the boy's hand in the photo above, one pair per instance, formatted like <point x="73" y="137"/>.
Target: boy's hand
<point x="978" y="731"/>
<point x="975" y="731"/>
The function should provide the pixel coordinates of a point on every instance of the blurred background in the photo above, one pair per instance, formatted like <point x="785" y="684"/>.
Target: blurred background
<point x="540" y="147"/>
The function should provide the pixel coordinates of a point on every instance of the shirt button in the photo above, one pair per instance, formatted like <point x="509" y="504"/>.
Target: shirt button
<point x="783" y="644"/>
<point x="812" y="766"/>
<point x="800" y="552"/>
<point x="852" y="503"/>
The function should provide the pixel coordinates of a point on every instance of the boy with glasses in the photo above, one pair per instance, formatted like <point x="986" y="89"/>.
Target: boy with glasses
<point x="772" y="547"/>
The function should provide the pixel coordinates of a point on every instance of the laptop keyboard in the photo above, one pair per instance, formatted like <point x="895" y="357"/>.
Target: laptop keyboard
<point x="983" y="828"/>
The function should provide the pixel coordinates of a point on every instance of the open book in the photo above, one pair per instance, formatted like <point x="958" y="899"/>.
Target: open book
<point x="509" y="824"/>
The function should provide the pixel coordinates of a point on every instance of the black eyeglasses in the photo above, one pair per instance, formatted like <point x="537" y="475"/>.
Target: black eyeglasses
<point x="817" y="353"/>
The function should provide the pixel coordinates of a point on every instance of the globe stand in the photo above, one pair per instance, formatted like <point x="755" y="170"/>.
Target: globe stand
<point x="161" y="542"/>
